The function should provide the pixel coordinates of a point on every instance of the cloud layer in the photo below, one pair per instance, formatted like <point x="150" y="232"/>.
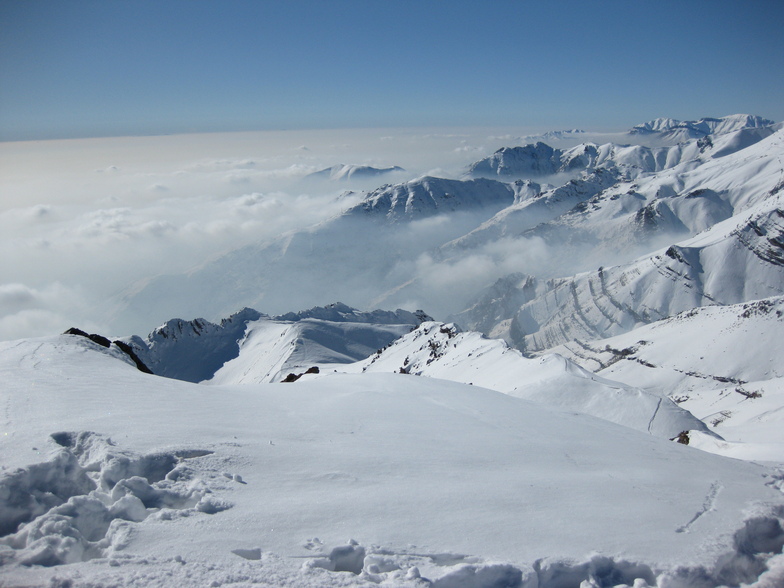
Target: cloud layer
<point x="82" y="220"/>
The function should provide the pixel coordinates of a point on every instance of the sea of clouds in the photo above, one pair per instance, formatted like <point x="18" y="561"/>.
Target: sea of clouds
<point x="84" y="220"/>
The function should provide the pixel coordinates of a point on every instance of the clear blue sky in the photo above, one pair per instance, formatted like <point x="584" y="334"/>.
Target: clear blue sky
<point x="116" y="67"/>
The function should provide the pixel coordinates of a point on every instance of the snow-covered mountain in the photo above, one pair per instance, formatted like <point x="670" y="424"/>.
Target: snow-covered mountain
<point x="731" y="204"/>
<point x="677" y="130"/>
<point x="722" y="363"/>
<point x="737" y="260"/>
<point x="430" y="196"/>
<point x="199" y="350"/>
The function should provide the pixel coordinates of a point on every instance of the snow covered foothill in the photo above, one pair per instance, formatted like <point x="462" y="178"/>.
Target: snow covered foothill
<point x="272" y="349"/>
<point x="192" y="350"/>
<point x="722" y="363"/>
<point x="250" y="346"/>
<point x="354" y="480"/>
<point x="442" y="351"/>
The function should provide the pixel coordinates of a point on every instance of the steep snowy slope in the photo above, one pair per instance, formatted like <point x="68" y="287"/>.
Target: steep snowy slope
<point x="135" y="480"/>
<point x="442" y="351"/>
<point x="722" y="363"/>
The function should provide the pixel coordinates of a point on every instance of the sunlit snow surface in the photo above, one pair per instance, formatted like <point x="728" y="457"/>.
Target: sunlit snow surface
<point x="172" y="483"/>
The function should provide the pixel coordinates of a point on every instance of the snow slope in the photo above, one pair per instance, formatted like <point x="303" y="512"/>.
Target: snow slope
<point x="722" y="363"/>
<point x="273" y="349"/>
<point x="136" y="480"/>
<point x="442" y="351"/>
<point x="734" y="261"/>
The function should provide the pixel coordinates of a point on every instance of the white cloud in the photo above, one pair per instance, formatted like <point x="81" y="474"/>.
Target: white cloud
<point x="32" y="312"/>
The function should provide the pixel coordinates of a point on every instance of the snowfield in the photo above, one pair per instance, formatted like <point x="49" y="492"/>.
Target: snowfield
<point x="352" y="480"/>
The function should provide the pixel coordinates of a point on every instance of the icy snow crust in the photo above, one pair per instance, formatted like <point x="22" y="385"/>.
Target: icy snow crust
<point x="112" y="476"/>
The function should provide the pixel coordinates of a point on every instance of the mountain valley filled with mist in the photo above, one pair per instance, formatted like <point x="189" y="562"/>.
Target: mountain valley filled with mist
<point x="454" y="358"/>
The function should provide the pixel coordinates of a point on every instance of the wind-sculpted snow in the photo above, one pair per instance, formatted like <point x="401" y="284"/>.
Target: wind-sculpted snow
<point x="330" y="481"/>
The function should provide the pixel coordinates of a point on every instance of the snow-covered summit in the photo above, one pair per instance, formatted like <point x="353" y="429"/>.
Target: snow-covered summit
<point x="428" y="196"/>
<point x="114" y="477"/>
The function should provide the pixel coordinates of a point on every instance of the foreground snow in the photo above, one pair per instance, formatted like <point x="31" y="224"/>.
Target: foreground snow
<point x="136" y="480"/>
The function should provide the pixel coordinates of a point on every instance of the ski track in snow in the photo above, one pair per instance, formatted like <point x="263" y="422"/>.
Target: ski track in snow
<point x="655" y="412"/>
<point x="707" y="506"/>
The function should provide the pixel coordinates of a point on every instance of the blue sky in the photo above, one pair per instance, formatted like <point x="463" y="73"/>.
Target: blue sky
<point x="133" y="67"/>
